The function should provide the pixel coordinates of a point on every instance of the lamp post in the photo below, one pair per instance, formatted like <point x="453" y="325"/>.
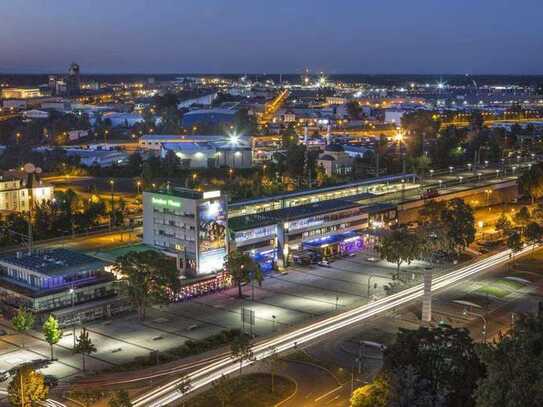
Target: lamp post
<point x="112" y="214"/>
<point x="481" y="316"/>
<point x="72" y="294"/>
<point x="369" y="286"/>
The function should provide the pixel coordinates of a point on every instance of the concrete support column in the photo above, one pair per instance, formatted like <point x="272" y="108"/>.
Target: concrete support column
<point x="427" y="297"/>
<point x="282" y="246"/>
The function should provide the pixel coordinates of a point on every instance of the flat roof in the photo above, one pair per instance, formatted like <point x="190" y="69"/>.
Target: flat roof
<point x="178" y="192"/>
<point x="290" y="195"/>
<point x="291" y="213"/>
<point x="54" y="262"/>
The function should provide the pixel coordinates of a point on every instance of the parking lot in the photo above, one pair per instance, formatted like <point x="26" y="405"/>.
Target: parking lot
<point x="283" y="300"/>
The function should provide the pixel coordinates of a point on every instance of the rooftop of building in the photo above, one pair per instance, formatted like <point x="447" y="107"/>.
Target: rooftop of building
<point x="179" y="137"/>
<point x="225" y="111"/>
<point x="293" y="195"/>
<point x="54" y="262"/>
<point x="290" y="214"/>
<point x="182" y="192"/>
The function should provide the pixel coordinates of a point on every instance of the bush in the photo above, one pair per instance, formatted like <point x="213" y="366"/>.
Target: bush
<point x="189" y="348"/>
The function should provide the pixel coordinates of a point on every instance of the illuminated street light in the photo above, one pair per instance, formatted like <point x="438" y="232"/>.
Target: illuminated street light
<point x="234" y="139"/>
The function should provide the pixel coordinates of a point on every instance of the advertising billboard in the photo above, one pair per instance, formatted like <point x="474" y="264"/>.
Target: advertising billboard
<point x="211" y="235"/>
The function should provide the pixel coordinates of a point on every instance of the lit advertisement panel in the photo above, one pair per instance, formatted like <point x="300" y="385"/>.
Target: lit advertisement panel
<point x="211" y="235"/>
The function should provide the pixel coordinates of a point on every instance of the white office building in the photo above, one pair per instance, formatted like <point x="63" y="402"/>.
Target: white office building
<point x="188" y="224"/>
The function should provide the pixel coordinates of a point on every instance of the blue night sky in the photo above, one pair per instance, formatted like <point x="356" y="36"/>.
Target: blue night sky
<point x="262" y="36"/>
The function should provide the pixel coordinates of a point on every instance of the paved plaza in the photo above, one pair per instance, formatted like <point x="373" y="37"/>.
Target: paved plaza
<point x="284" y="300"/>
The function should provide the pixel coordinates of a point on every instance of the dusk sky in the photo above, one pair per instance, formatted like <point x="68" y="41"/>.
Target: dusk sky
<point x="260" y="36"/>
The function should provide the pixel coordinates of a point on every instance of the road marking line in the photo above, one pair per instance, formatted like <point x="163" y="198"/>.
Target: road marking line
<point x="327" y="394"/>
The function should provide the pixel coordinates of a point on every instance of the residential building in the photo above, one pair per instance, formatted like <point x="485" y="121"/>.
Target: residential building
<point x="335" y="161"/>
<point x="18" y="190"/>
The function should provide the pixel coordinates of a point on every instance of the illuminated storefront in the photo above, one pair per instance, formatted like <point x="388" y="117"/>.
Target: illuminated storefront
<point x="335" y="244"/>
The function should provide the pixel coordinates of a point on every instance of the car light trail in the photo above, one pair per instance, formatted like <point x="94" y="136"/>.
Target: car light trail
<point x="167" y="393"/>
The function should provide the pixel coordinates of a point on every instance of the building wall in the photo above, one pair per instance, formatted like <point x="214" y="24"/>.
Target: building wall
<point x="169" y="223"/>
<point x="192" y="229"/>
<point x="14" y="197"/>
<point x="20" y="93"/>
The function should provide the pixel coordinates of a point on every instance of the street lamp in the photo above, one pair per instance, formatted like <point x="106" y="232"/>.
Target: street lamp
<point x="138" y="184"/>
<point x="72" y="294"/>
<point x="451" y="168"/>
<point x="431" y="173"/>
<point x="369" y="286"/>
<point x="112" y="215"/>
<point x="481" y="316"/>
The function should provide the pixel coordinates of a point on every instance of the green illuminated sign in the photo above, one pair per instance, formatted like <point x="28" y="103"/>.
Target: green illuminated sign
<point x="166" y="202"/>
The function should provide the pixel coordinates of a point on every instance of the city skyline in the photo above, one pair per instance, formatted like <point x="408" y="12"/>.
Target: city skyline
<point x="235" y="37"/>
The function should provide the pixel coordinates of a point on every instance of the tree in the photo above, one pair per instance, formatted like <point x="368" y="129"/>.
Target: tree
<point x="399" y="246"/>
<point x="120" y="399"/>
<point x="184" y="386"/>
<point x="459" y="222"/>
<point x="513" y="367"/>
<point x="170" y="163"/>
<point x="51" y="332"/>
<point x="241" y="349"/>
<point x="477" y="121"/>
<point x="408" y="389"/>
<point x="354" y="110"/>
<point x="503" y="224"/>
<point x="531" y="182"/>
<point x="523" y="216"/>
<point x="289" y="137"/>
<point x="242" y="268"/>
<point x="420" y="126"/>
<point x="147" y="278"/>
<point x="514" y="241"/>
<point x="22" y="322"/>
<point x="223" y="390"/>
<point x="533" y="233"/>
<point x="84" y="346"/>
<point x="537" y="212"/>
<point x="375" y="394"/>
<point x="27" y="387"/>
<point x="274" y="362"/>
<point x="87" y="397"/>
<point x="444" y="357"/>
<point x="135" y="163"/>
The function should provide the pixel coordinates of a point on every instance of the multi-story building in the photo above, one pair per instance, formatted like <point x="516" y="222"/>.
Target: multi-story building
<point x="19" y="192"/>
<point x="70" y="285"/>
<point x="73" y="80"/>
<point x="335" y="161"/>
<point x="188" y="224"/>
<point x="20" y="93"/>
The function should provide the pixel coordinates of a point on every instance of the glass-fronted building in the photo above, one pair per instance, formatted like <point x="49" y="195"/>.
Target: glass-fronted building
<point x="70" y="285"/>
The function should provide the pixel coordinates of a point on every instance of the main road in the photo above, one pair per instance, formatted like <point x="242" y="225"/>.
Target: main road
<point x="201" y="377"/>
